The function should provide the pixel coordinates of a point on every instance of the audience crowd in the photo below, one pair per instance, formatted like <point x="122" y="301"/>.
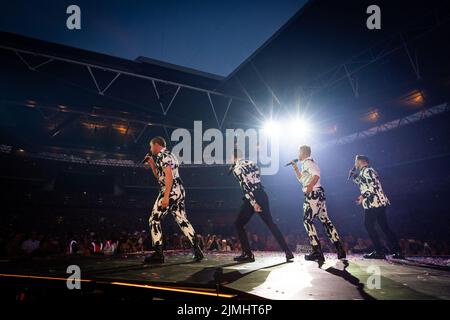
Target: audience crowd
<point x="90" y="243"/>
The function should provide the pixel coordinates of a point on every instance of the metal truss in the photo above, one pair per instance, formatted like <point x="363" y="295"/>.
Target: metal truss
<point x="349" y="70"/>
<point x="444" y="107"/>
<point x="396" y="43"/>
<point x="158" y="96"/>
<point x="102" y="91"/>
<point x="219" y="122"/>
<point x="91" y="67"/>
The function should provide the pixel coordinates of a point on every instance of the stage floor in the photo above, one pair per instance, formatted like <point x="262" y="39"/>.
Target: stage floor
<point x="269" y="277"/>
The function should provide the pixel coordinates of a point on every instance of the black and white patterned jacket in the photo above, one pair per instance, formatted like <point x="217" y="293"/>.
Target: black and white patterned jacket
<point x="164" y="159"/>
<point x="370" y="188"/>
<point x="248" y="175"/>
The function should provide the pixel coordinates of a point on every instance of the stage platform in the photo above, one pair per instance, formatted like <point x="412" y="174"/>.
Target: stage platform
<point x="269" y="277"/>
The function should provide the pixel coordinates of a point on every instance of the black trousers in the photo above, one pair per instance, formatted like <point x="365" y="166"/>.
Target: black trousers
<point x="247" y="211"/>
<point x="375" y="216"/>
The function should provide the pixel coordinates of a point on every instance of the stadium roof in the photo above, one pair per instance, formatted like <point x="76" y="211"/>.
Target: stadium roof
<point x="324" y="63"/>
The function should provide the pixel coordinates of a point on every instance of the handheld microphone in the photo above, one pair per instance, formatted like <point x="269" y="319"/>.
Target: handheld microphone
<point x="145" y="158"/>
<point x="290" y="163"/>
<point x="351" y="173"/>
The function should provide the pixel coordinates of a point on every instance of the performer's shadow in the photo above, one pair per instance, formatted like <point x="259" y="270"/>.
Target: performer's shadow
<point x="136" y="267"/>
<point x="347" y="276"/>
<point x="215" y="275"/>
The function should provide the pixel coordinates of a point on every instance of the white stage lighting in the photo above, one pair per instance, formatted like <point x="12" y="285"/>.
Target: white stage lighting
<point x="271" y="128"/>
<point x="299" y="128"/>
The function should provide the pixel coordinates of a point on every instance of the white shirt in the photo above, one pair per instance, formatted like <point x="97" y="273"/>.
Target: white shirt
<point x="309" y="170"/>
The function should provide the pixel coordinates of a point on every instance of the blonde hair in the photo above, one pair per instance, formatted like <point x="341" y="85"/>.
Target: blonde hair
<point x="306" y="149"/>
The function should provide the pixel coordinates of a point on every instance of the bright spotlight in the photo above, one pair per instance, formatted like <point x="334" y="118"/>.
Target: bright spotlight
<point x="299" y="127"/>
<point x="271" y="128"/>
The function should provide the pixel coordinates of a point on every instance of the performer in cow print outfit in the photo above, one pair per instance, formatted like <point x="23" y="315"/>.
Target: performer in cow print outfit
<point x="315" y="205"/>
<point x="255" y="200"/>
<point x="171" y="199"/>
<point x="374" y="201"/>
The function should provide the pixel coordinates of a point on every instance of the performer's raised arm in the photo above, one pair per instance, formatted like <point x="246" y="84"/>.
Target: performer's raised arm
<point x="150" y="163"/>
<point x="297" y="171"/>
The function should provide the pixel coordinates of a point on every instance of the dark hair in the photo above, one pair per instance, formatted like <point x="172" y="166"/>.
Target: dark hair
<point x="159" y="140"/>
<point x="362" y="157"/>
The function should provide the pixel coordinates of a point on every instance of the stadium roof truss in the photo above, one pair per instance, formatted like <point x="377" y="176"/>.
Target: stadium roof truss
<point x="348" y="70"/>
<point x="421" y="115"/>
<point x="401" y="40"/>
<point x="91" y="67"/>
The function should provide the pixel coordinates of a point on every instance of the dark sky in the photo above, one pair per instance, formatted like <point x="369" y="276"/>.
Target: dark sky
<point x="209" y="35"/>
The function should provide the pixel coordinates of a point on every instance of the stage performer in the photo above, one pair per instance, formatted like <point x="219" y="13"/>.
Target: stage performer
<point x="255" y="200"/>
<point x="375" y="202"/>
<point x="315" y="205"/>
<point x="171" y="199"/>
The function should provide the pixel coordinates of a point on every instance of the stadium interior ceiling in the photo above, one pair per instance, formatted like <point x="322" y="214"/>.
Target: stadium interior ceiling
<point x="323" y="62"/>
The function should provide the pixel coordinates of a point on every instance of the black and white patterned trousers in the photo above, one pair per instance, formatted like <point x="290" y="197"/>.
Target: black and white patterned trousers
<point x="315" y="206"/>
<point x="177" y="209"/>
